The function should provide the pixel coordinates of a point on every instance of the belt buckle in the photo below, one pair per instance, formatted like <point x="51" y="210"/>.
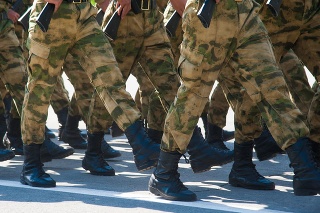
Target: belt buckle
<point x="145" y="5"/>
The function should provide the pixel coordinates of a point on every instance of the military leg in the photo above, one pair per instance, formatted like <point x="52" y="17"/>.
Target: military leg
<point x="60" y="103"/>
<point x="217" y="113"/>
<point x="5" y="154"/>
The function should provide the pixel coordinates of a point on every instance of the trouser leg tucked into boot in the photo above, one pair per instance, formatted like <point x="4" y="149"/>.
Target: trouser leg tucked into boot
<point x="71" y="133"/>
<point x="243" y="173"/>
<point x="215" y="136"/>
<point x="203" y="156"/>
<point x="165" y="180"/>
<point x="155" y="135"/>
<point x="306" y="179"/>
<point x="115" y="130"/>
<point x="6" y="154"/>
<point x="145" y="151"/>
<point x="13" y="136"/>
<point x="50" y="150"/>
<point x="93" y="159"/>
<point x="108" y="151"/>
<point x="49" y="132"/>
<point x="32" y="172"/>
<point x="265" y="145"/>
<point x="62" y="119"/>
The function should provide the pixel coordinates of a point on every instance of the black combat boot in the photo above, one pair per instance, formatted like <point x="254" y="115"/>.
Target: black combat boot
<point x="243" y="173"/>
<point x="203" y="156"/>
<point x="62" y="116"/>
<point x="6" y="154"/>
<point x="265" y="145"/>
<point x="50" y="150"/>
<point x="71" y="133"/>
<point x="107" y="151"/>
<point x="115" y="130"/>
<point x="316" y="152"/>
<point x="93" y="159"/>
<point x="227" y="135"/>
<point x="13" y="136"/>
<point x="145" y="151"/>
<point x="32" y="172"/>
<point x="215" y="137"/>
<point x="155" y="135"/>
<point x="49" y="132"/>
<point x="165" y="180"/>
<point x="306" y="179"/>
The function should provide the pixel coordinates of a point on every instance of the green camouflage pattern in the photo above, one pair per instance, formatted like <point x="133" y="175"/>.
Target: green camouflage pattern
<point x="12" y="64"/>
<point x="142" y="39"/>
<point x="73" y="30"/>
<point x="60" y="96"/>
<point x="228" y="47"/>
<point x="297" y="28"/>
<point x="218" y="106"/>
<point x="297" y="80"/>
<point x="150" y="105"/>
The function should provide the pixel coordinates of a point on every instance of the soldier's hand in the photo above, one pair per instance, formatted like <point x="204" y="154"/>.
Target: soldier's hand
<point x="56" y="3"/>
<point x="103" y="5"/>
<point x="179" y="5"/>
<point x="13" y="16"/>
<point x="124" y="6"/>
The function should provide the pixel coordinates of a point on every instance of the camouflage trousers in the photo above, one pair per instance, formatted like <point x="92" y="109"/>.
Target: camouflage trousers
<point x="218" y="106"/>
<point x="60" y="96"/>
<point x="148" y="101"/>
<point x="297" y="28"/>
<point x="85" y="41"/>
<point x="12" y="64"/>
<point x="142" y="40"/>
<point x="229" y="48"/>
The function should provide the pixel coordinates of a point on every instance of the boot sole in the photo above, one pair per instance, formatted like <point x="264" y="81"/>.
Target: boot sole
<point x="147" y="166"/>
<point x="110" y="173"/>
<point x="36" y="185"/>
<point x="165" y="196"/>
<point x="7" y="157"/>
<point x="111" y="156"/>
<point x="199" y="168"/>
<point x="236" y="184"/>
<point x="64" y="154"/>
<point x="306" y="192"/>
<point x="266" y="157"/>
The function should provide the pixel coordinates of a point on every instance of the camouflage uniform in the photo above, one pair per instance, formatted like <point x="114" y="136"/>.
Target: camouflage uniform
<point x="297" y="28"/>
<point x="200" y="64"/>
<point x="295" y="76"/>
<point x="146" y="42"/>
<point x="88" y="45"/>
<point x="12" y="62"/>
<point x="217" y="107"/>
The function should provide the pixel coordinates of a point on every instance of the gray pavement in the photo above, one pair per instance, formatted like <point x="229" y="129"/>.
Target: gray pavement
<point x="78" y="191"/>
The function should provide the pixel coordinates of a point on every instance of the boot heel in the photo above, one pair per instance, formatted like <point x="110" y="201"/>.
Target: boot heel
<point x="154" y="191"/>
<point x="304" y="192"/>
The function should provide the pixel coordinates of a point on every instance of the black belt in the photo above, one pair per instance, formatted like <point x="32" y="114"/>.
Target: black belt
<point x="147" y="4"/>
<point x="76" y="1"/>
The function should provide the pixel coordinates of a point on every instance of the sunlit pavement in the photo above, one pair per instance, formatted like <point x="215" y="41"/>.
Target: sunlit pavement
<point x="78" y="191"/>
